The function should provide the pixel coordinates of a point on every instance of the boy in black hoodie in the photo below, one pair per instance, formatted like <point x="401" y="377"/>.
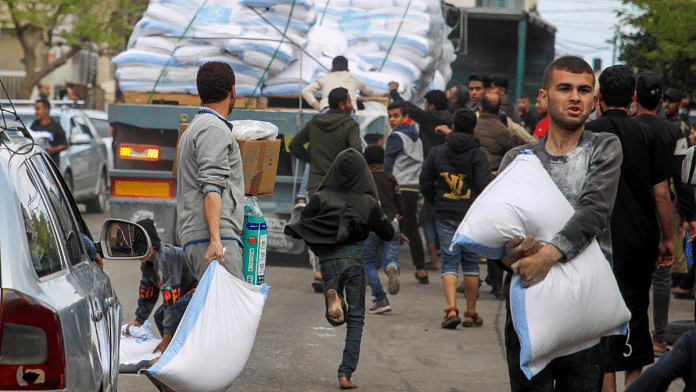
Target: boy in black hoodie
<point x="453" y="175"/>
<point x="335" y="222"/>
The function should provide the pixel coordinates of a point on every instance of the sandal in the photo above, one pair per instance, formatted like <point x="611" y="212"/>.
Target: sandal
<point x="472" y="319"/>
<point x="422" y="280"/>
<point x="451" y="322"/>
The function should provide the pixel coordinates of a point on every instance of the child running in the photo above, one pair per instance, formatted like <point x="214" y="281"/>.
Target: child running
<point x="393" y="206"/>
<point x="334" y="224"/>
<point x="453" y="175"/>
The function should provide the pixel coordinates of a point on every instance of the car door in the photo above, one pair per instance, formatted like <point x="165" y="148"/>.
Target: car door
<point x="105" y="308"/>
<point x="84" y="157"/>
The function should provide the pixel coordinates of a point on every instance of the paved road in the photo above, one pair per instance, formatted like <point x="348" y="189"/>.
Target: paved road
<point x="404" y="350"/>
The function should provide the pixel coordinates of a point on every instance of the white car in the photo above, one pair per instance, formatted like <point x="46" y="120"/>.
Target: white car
<point x="85" y="163"/>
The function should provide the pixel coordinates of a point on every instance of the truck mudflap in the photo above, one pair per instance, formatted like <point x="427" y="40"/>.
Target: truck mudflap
<point x="163" y="212"/>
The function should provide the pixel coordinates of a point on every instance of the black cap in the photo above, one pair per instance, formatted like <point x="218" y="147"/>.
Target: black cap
<point x="149" y="226"/>
<point x="648" y="89"/>
<point x="674" y="95"/>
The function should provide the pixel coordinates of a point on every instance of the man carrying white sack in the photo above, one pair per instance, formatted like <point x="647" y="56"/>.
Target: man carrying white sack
<point x="585" y="166"/>
<point x="210" y="206"/>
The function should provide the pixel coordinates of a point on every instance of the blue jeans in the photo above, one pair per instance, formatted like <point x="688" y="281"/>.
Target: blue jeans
<point x="302" y="193"/>
<point x="452" y="257"/>
<point x="344" y="271"/>
<point x="390" y="255"/>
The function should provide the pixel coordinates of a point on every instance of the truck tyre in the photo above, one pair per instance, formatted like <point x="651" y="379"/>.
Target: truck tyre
<point x="98" y="204"/>
<point x="676" y="329"/>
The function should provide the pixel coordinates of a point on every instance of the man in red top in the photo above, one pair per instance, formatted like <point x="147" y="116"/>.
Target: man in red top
<point x="543" y="124"/>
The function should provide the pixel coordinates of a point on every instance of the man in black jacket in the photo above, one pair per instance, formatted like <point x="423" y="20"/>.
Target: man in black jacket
<point x="453" y="175"/>
<point x="435" y="113"/>
<point x="641" y="212"/>
<point x="649" y="96"/>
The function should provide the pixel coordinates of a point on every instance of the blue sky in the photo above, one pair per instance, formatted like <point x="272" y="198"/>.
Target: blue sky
<point x="583" y="27"/>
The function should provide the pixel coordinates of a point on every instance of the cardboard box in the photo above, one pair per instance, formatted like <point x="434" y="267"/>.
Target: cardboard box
<point x="260" y="162"/>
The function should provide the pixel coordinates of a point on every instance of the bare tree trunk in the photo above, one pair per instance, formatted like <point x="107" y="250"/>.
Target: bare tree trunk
<point x="33" y="77"/>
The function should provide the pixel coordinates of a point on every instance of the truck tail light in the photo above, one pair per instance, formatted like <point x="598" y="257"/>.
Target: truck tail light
<point x="150" y="188"/>
<point x="138" y="151"/>
<point x="32" y="351"/>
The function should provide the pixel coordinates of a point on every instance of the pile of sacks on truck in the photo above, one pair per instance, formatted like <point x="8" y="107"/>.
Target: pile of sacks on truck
<point x="278" y="47"/>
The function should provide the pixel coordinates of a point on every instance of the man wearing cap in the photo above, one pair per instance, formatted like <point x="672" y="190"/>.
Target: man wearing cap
<point x="649" y="95"/>
<point x="671" y="104"/>
<point x="163" y="271"/>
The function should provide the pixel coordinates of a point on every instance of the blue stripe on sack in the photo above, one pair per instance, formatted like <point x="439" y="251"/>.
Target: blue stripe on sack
<point x="624" y="329"/>
<point x="264" y="291"/>
<point x="519" y="321"/>
<point x="193" y="311"/>
<point x="479" y="249"/>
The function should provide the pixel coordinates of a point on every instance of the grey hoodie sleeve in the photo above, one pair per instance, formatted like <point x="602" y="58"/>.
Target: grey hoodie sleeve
<point x="596" y="201"/>
<point x="212" y="151"/>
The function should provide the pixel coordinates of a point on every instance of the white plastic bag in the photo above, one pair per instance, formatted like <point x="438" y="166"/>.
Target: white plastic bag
<point x="215" y="336"/>
<point x="136" y="349"/>
<point x="254" y="130"/>
<point x="579" y="301"/>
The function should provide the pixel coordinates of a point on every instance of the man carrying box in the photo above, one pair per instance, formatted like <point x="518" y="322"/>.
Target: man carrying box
<point x="210" y="180"/>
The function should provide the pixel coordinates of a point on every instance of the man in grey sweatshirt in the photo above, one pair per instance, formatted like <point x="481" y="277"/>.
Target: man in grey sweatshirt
<point x="210" y="181"/>
<point x="586" y="167"/>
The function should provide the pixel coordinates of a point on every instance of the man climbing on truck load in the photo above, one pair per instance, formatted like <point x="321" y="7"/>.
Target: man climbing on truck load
<point x="339" y="77"/>
<point x="210" y="182"/>
<point x="327" y="134"/>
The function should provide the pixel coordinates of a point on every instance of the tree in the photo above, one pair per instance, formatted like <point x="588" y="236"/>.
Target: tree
<point x="72" y="25"/>
<point x="664" y="41"/>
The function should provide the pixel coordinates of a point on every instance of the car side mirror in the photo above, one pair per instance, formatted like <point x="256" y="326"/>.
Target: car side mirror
<point x="124" y="240"/>
<point x="80" y="138"/>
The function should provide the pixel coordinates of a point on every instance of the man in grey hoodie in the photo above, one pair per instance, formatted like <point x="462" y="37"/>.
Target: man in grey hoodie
<point x="210" y="182"/>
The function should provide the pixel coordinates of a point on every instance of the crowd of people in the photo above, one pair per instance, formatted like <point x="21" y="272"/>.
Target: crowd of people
<point x="620" y="172"/>
<point x="614" y="152"/>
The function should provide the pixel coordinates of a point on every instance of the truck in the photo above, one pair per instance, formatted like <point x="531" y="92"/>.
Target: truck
<point x="144" y="144"/>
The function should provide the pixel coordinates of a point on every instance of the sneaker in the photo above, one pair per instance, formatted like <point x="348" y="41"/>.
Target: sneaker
<point x="393" y="274"/>
<point x="318" y="285"/>
<point x="381" y="306"/>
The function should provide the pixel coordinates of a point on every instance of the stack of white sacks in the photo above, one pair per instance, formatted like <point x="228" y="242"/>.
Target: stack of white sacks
<point x="278" y="47"/>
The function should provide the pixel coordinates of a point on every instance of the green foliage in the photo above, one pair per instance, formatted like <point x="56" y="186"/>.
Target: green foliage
<point x="69" y="21"/>
<point x="664" y="41"/>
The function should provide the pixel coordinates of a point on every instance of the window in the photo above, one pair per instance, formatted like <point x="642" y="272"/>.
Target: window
<point x="61" y="205"/>
<point x="79" y="127"/>
<point x="43" y="244"/>
<point x="103" y="127"/>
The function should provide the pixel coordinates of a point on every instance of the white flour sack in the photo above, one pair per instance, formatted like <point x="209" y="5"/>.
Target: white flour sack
<point x="215" y="336"/>
<point x="579" y="301"/>
<point x="136" y="349"/>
